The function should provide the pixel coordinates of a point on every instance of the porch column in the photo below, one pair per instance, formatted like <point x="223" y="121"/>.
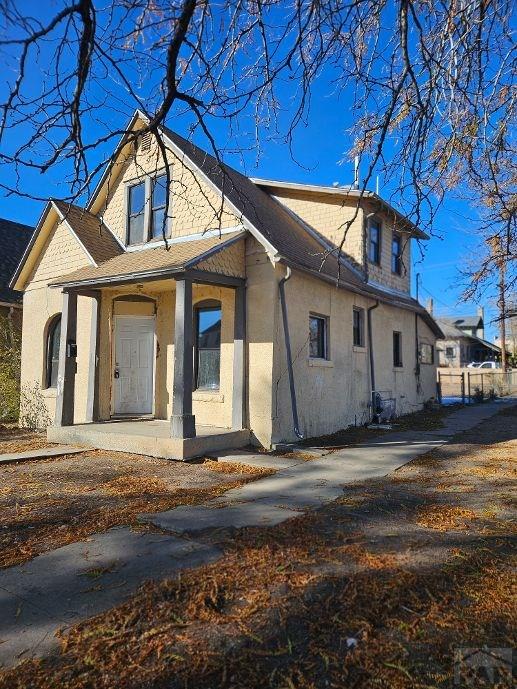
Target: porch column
<point x="183" y="423"/>
<point x="67" y="362"/>
<point x="239" y="381"/>
<point x="92" y="400"/>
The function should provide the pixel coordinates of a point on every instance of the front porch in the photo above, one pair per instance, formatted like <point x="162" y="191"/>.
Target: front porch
<point x="150" y="437"/>
<point x="171" y="361"/>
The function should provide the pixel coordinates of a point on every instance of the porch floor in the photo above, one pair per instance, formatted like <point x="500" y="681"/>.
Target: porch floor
<point x="149" y="437"/>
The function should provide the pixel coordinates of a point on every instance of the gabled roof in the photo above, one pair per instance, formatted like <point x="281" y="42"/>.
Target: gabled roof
<point x="135" y="265"/>
<point x="98" y="241"/>
<point x="464" y="322"/>
<point x="348" y="191"/>
<point x="451" y="332"/>
<point x="14" y="238"/>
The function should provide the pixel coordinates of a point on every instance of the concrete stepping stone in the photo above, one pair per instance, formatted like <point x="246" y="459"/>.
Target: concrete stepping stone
<point x="42" y="453"/>
<point x="192" y="518"/>
<point x="258" y="460"/>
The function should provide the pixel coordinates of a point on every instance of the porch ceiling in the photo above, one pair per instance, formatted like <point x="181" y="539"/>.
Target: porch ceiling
<point x="154" y="263"/>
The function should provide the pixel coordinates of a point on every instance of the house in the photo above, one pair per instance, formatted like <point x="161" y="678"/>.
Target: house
<point x="244" y="325"/>
<point x="14" y="238"/>
<point x="464" y="340"/>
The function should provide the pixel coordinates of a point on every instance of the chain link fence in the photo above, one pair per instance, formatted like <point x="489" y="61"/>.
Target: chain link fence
<point x="469" y="386"/>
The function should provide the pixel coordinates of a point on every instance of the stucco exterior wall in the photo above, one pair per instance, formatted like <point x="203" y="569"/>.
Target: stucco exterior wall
<point x="194" y="206"/>
<point x="41" y="303"/>
<point x="334" y="394"/>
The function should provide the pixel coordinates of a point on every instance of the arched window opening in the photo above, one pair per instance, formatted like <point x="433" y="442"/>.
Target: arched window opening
<point x="208" y="345"/>
<point x="53" y="340"/>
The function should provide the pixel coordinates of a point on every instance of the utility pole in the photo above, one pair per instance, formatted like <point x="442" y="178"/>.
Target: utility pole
<point x="500" y="261"/>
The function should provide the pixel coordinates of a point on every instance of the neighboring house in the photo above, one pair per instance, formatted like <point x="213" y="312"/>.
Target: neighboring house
<point x="14" y="238"/>
<point x="464" y="341"/>
<point x="121" y="326"/>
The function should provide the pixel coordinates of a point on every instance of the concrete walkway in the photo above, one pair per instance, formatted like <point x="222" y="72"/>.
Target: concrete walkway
<point x="69" y="584"/>
<point x="42" y="453"/>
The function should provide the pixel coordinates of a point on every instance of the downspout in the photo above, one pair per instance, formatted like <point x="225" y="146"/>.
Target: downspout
<point x="370" y="349"/>
<point x="281" y="288"/>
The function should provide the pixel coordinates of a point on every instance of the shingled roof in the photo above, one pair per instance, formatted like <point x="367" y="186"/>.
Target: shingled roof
<point x="136" y="264"/>
<point x="14" y="238"/>
<point x="98" y="241"/>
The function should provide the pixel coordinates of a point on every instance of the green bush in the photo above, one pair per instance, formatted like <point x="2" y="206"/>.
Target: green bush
<point x="10" y="362"/>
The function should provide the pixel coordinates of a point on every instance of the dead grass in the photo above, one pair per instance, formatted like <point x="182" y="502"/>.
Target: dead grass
<point x="318" y="602"/>
<point x="54" y="502"/>
<point x="14" y="439"/>
<point x="445" y="517"/>
<point x="237" y="468"/>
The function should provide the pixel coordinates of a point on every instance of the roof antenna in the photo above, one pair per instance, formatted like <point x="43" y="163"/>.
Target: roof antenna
<point x="356" y="172"/>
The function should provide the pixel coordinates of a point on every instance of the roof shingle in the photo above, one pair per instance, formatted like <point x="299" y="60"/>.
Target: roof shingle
<point x="14" y="238"/>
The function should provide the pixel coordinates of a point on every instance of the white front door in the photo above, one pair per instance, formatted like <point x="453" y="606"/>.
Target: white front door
<point x="133" y="383"/>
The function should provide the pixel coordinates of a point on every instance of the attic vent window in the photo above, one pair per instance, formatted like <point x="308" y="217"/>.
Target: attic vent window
<point x="145" y="143"/>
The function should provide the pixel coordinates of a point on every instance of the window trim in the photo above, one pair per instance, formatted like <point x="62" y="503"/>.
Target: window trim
<point x="360" y="311"/>
<point x="326" y="348"/>
<point x="148" y="181"/>
<point x="205" y="305"/>
<point x="398" y="362"/>
<point x="49" y="335"/>
<point x="378" y="222"/>
<point x="396" y="236"/>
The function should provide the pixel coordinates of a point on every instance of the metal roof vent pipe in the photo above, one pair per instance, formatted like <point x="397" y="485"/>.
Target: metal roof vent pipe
<point x="294" y="408"/>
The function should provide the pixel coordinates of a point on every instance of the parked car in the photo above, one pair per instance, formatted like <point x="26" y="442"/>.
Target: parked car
<point x="490" y="364"/>
<point x="474" y="364"/>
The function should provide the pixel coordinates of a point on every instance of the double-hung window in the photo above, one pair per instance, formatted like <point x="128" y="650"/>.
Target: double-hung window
<point x="136" y="233"/>
<point x="397" y="349"/>
<point x="158" y="198"/>
<point x="318" y="337"/>
<point x="374" y="241"/>
<point x="396" y="254"/>
<point x="358" y="327"/>
<point x="146" y="201"/>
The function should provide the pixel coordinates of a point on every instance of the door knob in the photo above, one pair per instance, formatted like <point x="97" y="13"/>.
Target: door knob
<point x="117" y="373"/>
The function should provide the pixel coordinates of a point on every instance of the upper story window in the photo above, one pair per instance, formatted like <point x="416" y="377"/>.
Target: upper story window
<point x="374" y="241"/>
<point x="396" y="254"/>
<point x="358" y="327"/>
<point x="158" y="198"/>
<point x="318" y="337"/>
<point x="146" y="202"/>
<point x="136" y="214"/>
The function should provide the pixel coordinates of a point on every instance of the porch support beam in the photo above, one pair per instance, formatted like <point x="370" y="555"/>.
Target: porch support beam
<point x="92" y="400"/>
<point x="67" y="362"/>
<point x="239" y="358"/>
<point x="183" y="424"/>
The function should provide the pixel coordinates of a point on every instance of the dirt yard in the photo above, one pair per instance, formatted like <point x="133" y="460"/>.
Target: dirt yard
<point x="47" y="504"/>
<point x="383" y="588"/>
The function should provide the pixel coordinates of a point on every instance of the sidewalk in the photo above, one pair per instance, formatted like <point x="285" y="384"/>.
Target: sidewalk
<point x="57" y="589"/>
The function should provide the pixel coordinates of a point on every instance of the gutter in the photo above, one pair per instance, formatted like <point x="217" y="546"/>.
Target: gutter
<point x="370" y="347"/>
<point x="281" y="289"/>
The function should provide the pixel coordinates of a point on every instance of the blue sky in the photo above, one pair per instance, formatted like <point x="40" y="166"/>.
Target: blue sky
<point x="319" y="147"/>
